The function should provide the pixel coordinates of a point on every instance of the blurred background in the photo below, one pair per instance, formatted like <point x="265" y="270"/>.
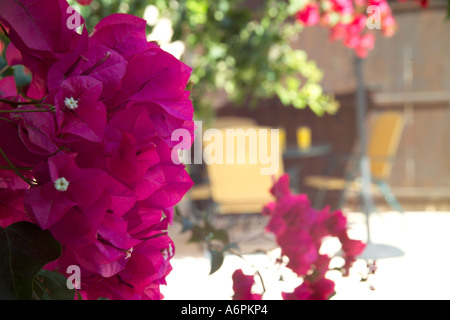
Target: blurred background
<point x="253" y="60"/>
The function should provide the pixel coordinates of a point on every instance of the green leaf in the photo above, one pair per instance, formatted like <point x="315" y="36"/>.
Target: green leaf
<point x="187" y="224"/>
<point x="221" y="235"/>
<point x="197" y="234"/>
<point x="20" y="77"/>
<point x="448" y="9"/>
<point x="24" y="250"/>
<point x="200" y="233"/>
<point x="189" y="85"/>
<point x="296" y="5"/>
<point x="217" y="258"/>
<point x="79" y="296"/>
<point x="50" y="285"/>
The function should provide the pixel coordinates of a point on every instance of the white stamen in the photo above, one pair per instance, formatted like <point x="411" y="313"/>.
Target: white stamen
<point x="167" y="253"/>
<point x="71" y="103"/>
<point x="61" y="184"/>
<point x="129" y="254"/>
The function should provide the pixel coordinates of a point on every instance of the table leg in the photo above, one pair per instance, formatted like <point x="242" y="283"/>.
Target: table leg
<point x="294" y="174"/>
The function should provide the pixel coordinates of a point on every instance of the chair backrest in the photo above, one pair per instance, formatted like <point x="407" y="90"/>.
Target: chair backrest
<point x="383" y="143"/>
<point x="237" y="182"/>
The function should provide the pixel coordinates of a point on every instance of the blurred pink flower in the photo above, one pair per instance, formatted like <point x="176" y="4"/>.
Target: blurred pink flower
<point x="242" y="286"/>
<point x="309" y="15"/>
<point x="299" y="231"/>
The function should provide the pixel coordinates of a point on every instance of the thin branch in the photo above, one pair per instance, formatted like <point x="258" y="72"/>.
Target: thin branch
<point x="4" y="30"/>
<point x="98" y="63"/>
<point x="7" y="120"/>
<point x="13" y="167"/>
<point x="18" y="168"/>
<point x="253" y="266"/>
<point x="262" y="281"/>
<point x="12" y="102"/>
<point x="4" y="69"/>
<point x="25" y="110"/>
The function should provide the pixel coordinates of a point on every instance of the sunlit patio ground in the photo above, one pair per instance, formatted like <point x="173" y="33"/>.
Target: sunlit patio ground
<point x="421" y="272"/>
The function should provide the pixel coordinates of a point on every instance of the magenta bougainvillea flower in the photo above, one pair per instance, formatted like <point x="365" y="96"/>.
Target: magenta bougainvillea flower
<point x="242" y="286"/>
<point x="92" y="144"/>
<point x="309" y="15"/>
<point x="299" y="231"/>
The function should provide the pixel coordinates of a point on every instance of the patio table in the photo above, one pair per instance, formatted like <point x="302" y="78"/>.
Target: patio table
<point x="294" y="152"/>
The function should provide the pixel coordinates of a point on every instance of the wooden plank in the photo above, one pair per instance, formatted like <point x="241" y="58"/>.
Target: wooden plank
<point x="401" y="98"/>
<point x="422" y="192"/>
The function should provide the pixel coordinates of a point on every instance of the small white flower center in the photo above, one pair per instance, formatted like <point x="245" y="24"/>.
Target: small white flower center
<point x="167" y="253"/>
<point x="128" y="256"/>
<point x="71" y="103"/>
<point x="61" y="184"/>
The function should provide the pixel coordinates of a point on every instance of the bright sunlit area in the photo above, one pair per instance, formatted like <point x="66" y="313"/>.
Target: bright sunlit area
<point x="415" y="268"/>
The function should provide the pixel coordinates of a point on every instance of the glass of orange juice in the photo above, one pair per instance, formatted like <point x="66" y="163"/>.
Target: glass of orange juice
<point x="282" y="139"/>
<point x="303" y="137"/>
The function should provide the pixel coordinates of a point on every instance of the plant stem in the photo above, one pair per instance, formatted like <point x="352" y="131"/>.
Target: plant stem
<point x="98" y="63"/>
<point x="7" y="120"/>
<point x="25" y="111"/>
<point x="256" y="269"/>
<point x="37" y="103"/>
<point x="19" y="174"/>
<point x="18" y="168"/>
<point x="18" y="102"/>
<point x="4" y="69"/>
<point x="4" y="31"/>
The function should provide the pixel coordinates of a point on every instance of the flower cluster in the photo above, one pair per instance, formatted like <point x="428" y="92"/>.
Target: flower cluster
<point x="242" y="286"/>
<point x="353" y="22"/>
<point x="86" y="149"/>
<point x="300" y="230"/>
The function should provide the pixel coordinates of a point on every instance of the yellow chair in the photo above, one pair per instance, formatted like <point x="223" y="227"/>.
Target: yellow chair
<point x="384" y="139"/>
<point x="238" y="183"/>
<point x="202" y="191"/>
